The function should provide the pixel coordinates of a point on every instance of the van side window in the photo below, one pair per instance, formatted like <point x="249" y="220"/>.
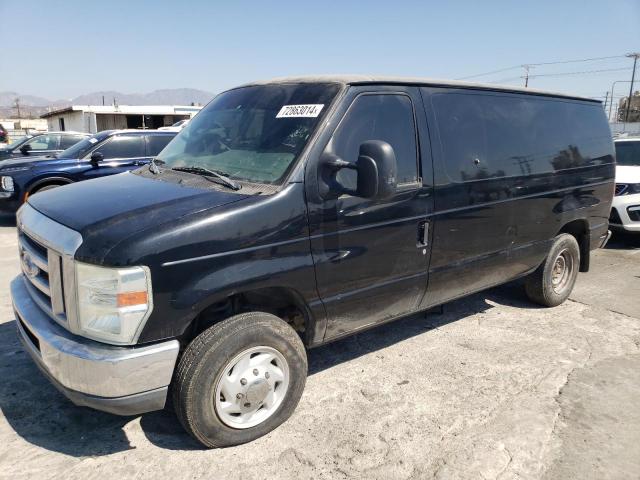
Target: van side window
<point x="378" y="117"/>
<point x="493" y="135"/>
<point x="124" y="146"/>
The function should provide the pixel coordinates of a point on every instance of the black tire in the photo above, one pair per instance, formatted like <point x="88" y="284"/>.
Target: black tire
<point x="541" y="287"/>
<point x="202" y="364"/>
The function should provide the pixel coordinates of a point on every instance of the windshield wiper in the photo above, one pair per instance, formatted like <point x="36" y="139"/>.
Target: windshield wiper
<point x="208" y="174"/>
<point x="153" y="166"/>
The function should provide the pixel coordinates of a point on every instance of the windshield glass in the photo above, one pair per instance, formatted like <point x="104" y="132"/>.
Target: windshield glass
<point x="82" y="147"/>
<point x="253" y="133"/>
<point x="628" y="153"/>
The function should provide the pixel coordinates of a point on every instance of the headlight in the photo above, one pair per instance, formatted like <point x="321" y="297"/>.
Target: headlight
<point x="627" y="189"/>
<point x="634" y="188"/>
<point x="113" y="303"/>
<point x="7" y="184"/>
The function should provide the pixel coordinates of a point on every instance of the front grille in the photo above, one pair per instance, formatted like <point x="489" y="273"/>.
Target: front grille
<point x="42" y="268"/>
<point x="621" y="189"/>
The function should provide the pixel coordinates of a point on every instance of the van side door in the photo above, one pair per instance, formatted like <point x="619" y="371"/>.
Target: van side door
<point x="371" y="256"/>
<point x="479" y="224"/>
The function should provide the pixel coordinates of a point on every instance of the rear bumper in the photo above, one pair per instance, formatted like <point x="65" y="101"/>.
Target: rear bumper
<point x="119" y="380"/>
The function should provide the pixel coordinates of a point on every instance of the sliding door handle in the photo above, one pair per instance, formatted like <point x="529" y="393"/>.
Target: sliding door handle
<point x="423" y="234"/>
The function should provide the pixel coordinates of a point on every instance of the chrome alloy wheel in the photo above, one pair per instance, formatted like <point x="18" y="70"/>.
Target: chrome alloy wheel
<point x="562" y="271"/>
<point x="251" y="387"/>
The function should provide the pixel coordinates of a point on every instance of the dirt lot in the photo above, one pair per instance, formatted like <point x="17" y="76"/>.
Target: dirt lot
<point x="492" y="388"/>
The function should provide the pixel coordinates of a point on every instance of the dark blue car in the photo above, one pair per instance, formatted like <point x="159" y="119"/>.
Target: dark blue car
<point x="105" y="153"/>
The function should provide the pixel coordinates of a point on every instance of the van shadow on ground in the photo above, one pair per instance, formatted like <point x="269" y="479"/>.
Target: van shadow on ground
<point x="42" y="416"/>
<point x="624" y="241"/>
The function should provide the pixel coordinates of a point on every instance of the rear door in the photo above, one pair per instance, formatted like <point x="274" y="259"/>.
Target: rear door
<point x="371" y="256"/>
<point x="121" y="153"/>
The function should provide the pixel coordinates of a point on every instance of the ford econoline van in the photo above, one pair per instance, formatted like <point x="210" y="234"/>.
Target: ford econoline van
<point x="294" y="212"/>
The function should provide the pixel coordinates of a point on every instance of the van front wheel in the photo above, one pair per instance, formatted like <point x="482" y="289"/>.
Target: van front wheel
<point x="552" y="282"/>
<point x="239" y="379"/>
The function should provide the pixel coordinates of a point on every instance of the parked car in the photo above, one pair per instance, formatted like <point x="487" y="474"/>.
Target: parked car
<point x="105" y="153"/>
<point x="176" y="127"/>
<point x="4" y="135"/>
<point x="15" y="142"/>
<point x="292" y="213"/>
<point x="40" y="144"/>
<point x="625" y="211"/>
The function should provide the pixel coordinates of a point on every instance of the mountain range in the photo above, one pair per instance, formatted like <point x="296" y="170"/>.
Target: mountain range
<point x="174" y="96"/>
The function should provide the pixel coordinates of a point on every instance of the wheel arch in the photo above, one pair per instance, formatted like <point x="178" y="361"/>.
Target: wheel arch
<point x="44" y="181"/>
<point x="579" y="229"/>
<point x="284" y="302"/>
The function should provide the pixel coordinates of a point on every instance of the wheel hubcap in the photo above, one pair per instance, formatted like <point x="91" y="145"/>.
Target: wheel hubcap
<point x="561" y="271"/>
<point x="251" y="387"/>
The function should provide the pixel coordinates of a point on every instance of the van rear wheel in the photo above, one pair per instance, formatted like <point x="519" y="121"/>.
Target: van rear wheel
<point x="239" y="379"/>
<point x="552" y="282"/>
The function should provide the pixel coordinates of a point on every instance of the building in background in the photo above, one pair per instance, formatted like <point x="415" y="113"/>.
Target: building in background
<point x="95" y="118"/>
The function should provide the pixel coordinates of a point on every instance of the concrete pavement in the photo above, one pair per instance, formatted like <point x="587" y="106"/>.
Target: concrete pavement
<point x="493" y="388"/>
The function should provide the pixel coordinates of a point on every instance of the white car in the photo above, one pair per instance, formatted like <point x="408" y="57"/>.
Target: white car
<point x="625" y="210"/>
<point x="176" y="127"/>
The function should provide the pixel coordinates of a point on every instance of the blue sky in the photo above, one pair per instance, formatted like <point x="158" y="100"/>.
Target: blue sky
<point x="64" y="49"/>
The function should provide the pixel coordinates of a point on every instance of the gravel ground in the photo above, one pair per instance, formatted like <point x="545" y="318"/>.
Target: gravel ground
<point x="492" y="388"/>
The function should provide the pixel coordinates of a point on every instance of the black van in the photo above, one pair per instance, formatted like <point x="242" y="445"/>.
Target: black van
<point x="291" y="213"/>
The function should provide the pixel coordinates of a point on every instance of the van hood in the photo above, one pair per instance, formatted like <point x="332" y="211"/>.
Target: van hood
<point x="627" y="174"/>
<point x="109" y="209"/>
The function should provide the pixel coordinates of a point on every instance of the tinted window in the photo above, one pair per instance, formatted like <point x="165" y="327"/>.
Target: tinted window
<point x="155" y="143"/>
<point x="378" y="117"/>
<point x="493" y="135"/>
<point x="124" y="146"/>
<point x="628" y="153"/>
<point x="67" y="141"/>
<point x="44" y="142"/>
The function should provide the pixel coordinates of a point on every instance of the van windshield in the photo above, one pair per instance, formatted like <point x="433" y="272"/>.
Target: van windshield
<point x="628" y="153"/>
<point x="252" y="134"/>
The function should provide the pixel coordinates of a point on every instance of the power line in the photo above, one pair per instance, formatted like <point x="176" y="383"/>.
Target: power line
<point x="543" y="63"/>
<point x="489" y="73"/>
<point x="579" y="60"/>
<point x="585" y="72"/>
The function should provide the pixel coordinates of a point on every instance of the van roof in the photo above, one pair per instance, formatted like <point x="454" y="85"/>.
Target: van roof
<point x="432" y="82"/>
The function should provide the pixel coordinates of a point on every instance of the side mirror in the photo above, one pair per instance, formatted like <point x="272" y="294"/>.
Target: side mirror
<point x="96" y="157"/>
<point x="383" y="184"/>
<point x="376" y="168"/>
<point x="25" y="149"/>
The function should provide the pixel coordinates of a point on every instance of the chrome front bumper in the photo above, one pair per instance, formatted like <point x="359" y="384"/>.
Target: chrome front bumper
<point x="119" y="380"/>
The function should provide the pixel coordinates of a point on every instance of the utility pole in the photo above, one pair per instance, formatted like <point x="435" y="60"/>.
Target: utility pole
<point x="633" y="76"/>
<point x="526" y="74"/>
<point x="16" y="103"/>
